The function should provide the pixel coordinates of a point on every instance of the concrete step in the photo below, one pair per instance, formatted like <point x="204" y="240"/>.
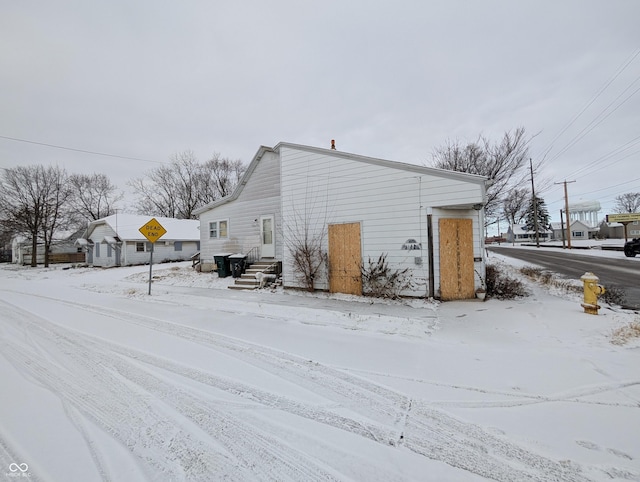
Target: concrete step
<point x="247" y="280"/>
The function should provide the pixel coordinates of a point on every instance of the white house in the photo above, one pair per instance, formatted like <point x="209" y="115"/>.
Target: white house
<point x="62" y="249"/>
<point x="117" y="241"/>
<point x="425" y="219"/>
<point x="520" y="234"/>
<point x="579" y="230"/>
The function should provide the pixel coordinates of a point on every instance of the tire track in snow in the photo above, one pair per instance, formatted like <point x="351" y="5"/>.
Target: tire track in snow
<point x="518" y="398"/>
<point x="116" y="401"/>
<point x="429" y="432"/>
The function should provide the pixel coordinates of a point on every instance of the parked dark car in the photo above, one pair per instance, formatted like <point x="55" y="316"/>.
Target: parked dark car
<point x="631" y="248"/>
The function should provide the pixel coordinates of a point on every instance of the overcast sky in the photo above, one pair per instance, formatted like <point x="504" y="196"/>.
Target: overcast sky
<point x="390" y="79"/>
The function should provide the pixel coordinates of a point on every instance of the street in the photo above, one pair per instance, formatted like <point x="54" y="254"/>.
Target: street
<point x="613" y="272"/>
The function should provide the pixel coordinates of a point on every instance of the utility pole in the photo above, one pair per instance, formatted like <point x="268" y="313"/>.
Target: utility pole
<point x="535" y="206"/>
<point x="566" y="211"/>
<point x="563" y="231"/>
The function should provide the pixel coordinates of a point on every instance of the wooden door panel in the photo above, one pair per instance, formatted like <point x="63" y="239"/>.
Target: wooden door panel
<point x="456" y="259"/>
<point x="345" y="257"/>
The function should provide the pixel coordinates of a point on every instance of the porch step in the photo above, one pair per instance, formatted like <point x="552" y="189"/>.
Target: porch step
<point x="247" y="280"/>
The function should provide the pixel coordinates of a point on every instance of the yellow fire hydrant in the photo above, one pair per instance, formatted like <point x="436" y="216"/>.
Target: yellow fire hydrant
<point x="591" y="291"/>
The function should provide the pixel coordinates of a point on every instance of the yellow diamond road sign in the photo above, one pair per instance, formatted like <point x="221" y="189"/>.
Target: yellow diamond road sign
<point x="153" y="230"/>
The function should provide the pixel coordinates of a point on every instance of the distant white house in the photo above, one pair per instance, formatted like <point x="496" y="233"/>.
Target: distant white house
<point x="117" y="241"/>
<point x="62" y="249"/>
<point x="519" y="234"/>
<point x="579" y="231"/>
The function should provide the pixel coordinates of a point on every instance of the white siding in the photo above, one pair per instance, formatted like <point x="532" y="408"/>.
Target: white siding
<point x="390" y="203"/>
<point x="260" y="196"/>
<point x="97" y="236"/>
<point x="164" y="250"/>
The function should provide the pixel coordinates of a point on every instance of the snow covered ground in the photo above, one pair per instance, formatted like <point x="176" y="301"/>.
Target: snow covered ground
<point x="100" y="381"/>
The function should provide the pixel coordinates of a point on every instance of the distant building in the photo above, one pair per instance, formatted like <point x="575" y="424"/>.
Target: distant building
<point x="117" y="241"/>
<point x="62" y="249"/>
<point x="519" y="234"/>
<point x="579" y="231"/>
<point x="616" y="230"/>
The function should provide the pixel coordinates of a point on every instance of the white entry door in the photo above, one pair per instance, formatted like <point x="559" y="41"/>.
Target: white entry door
<point x="268" y="247"/>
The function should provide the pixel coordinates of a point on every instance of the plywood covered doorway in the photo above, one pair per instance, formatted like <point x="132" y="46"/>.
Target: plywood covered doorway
<point x="456" y="259"/>
<point x="345" y="257"/>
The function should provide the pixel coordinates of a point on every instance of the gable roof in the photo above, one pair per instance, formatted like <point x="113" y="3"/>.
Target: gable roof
<point x="433" y="171"/>
<point x="557" y="226"/>
<point x="241" y="184"/>
<point x="127" y="227"/>
<point x="577" y="223"/>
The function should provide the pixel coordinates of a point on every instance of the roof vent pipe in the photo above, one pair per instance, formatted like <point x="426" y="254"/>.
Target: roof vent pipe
<point x="333" y="144"/>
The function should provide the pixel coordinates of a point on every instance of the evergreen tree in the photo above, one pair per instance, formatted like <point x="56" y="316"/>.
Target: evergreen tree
<point x="543" y="215"/>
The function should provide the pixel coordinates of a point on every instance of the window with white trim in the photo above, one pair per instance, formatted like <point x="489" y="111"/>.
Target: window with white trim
<point x="140" y="247"/>
<point x="219" y="229"/>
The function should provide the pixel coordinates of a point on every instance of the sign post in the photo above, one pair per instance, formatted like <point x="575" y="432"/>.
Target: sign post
<point x="153" y="231"/>
<point x="624" y="219"/>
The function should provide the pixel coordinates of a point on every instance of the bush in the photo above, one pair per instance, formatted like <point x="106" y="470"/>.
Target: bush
<point x="548" y="278"/>
<point x="622" y="335"/>
<point x="380" y="281"/>
<point x="503" y="287"/>
<point x="614" y="295"/>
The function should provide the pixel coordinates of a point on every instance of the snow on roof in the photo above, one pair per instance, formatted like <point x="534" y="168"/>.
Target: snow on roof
<point x="110" y="240"/>
<point x="521" y="229"/>
<point x="127" y="227"/>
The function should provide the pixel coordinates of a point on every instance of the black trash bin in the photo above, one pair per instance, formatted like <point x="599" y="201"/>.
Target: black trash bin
<point x="237" y="263"/>
<point x="222" y="264"/>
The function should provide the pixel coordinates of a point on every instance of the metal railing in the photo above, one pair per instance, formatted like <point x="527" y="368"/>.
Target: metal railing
<point x="253" y="255"/>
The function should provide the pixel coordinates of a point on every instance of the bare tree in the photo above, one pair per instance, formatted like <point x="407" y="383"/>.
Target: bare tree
<point x="176" y="190"/>
<point x="305" y="233"/>
<point x="503" y="163"/>
<point x="32" y="201"/>
<point x="627" y="203"/>
<point x="93" y="196"/>
<point x="22" y="203"/>
<point x="306" y="247"/>
<point x="223" y="175"/>
<point x="515" y="204"/>
<point x="55" y="213"/>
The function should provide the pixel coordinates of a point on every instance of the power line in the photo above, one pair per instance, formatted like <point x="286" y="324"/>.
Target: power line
<point x="79" y="150"/>
<point x="599" y="119"/>
<point x="619" y="71"/>
<point x="598" y="190"/>
<point x="604" y="166"/>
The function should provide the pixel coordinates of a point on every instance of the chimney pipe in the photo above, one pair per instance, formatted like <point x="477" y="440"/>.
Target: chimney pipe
<point x="333" y="144"/>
